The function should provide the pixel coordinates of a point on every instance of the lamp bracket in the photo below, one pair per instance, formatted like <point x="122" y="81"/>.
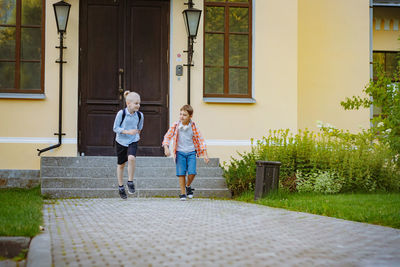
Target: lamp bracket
<point x="190" y="4"/>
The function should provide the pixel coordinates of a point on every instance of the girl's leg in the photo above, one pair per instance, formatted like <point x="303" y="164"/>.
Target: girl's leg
<point x="131" y="167"/>
<point x="120" y="173"/>
<point x="182" y="184"/>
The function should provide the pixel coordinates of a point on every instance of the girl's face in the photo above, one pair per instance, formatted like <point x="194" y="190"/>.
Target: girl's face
<point x="184" y="117"/>
<point x="133" y="105"/>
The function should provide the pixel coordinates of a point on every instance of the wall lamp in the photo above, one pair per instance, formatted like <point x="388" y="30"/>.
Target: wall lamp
<point x="61" y="11"/>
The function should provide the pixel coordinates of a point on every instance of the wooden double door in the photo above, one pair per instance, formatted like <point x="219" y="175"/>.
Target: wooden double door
<point x="123" y="45"/>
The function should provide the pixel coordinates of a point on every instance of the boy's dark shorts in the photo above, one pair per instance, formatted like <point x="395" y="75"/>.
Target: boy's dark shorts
<point x="123" y="152"/>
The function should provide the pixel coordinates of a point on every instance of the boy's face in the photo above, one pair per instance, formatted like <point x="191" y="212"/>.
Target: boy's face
<point x="184" y="117"/>
<point x="134" y="104"/>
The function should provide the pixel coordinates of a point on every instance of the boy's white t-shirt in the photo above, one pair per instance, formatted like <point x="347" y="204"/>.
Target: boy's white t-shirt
<point x="185" y="138"/>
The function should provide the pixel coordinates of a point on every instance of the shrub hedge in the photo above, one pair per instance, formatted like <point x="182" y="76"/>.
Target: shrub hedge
<point x="330" y="161"/>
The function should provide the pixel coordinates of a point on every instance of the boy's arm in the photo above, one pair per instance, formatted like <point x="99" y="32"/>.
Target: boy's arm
<point x="200" y="142"/>
<point x="168" y="136"/>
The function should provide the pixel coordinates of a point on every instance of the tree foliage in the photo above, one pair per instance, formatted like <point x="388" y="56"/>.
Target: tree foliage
<point x="384" y="94"/>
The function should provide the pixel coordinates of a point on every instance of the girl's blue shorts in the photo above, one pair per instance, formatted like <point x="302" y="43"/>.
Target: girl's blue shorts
<point x="185" y="163"/>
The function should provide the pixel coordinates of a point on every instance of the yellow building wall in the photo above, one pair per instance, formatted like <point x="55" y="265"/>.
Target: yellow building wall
<point x="386" y="39"/>
<point x="307" y="56"/>
<point x="333" y="61"/>
<point x="229" y="127"/>
<point x="28" y="124"/>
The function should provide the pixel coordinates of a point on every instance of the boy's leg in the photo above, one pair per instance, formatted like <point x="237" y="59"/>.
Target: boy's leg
<point x="182" y="184"/>
<point x="191" y="162"/>
<point x="190" y="179"/>
<point x="181" y="169"/>
<point x="191" y="166"/>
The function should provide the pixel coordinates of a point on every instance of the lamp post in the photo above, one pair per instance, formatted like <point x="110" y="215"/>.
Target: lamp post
<point x="191" y="16"/>
<point x="61" y="12"/>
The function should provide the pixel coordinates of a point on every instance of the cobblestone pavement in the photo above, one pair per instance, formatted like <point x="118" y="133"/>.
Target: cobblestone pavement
<point x="203" y="232"/>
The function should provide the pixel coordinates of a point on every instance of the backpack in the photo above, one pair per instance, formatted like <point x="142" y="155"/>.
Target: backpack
<point x="124" y="114"/>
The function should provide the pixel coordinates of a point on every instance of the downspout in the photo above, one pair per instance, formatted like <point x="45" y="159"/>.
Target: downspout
<point x="61" y="47"/>
<point x="371" y="63"/>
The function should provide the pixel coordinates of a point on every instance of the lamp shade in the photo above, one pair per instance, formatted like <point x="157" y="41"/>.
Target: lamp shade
<point x="61" y="11"/>
<point x="191" y="16"/>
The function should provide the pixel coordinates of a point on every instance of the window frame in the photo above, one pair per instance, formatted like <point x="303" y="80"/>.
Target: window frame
<point x="17" y="57"/>
<point x="227" y="5"/>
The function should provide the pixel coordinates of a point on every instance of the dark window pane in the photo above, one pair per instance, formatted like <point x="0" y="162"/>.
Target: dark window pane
<point x="30" y="75"/>
<point x="243" y="1"/>
<point x="238" y="81"/>
<point x="391" y="63"/>
<point x="238" y="19"/>
<point x="7" y="72"/>
<point x="238" y="50"/>
<point x="7" y="43"/>
<point x="31" y="12"/>
<point x="30" y="43"/>
<point x="214" y="80"/>
<point x="214" y="20"/>
<point x="214" y="49"/>
<point x="378" y="59"/>
<point x="8" y="12"/>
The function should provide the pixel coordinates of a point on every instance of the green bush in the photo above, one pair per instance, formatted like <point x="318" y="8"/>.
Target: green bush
<point x="329" y="161"/>
<point x="383" y="93"/>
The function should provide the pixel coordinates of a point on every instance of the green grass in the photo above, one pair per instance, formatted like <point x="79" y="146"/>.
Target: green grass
<point x="375" y="208"/>
<point x="20" y="212"/>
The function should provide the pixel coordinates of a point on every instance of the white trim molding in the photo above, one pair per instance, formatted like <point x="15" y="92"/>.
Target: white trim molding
<point x="220" y="142"/>
<point x="22" y="96"/>
<point x="36" y="140"/>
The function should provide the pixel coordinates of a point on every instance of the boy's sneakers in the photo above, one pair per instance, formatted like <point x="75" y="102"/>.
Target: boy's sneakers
<point x="122" y="192"/>
<point x="189" y="191"/>
<point x="131" y="187"/>
<point x="182" y="197"/>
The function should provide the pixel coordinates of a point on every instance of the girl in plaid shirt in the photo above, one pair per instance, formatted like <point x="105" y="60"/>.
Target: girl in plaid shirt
<point x="187" y="143"/>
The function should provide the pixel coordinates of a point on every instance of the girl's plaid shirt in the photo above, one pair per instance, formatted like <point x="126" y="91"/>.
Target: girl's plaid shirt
<point x="198" y="140"/>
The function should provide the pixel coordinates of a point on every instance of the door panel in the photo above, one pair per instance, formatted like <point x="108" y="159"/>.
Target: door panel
<point x="146" y="55"/>
<point x="132" y="36"/>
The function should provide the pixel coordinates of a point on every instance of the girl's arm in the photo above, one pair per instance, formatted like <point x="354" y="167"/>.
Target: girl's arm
<point x="117" y="122"/>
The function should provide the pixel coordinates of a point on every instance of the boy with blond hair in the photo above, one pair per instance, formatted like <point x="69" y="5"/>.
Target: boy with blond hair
<point x="127" y="126"/>
<point x="188" y="143"/>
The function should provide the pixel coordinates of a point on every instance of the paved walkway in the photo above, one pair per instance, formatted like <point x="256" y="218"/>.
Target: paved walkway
<point x="201" y="232"/>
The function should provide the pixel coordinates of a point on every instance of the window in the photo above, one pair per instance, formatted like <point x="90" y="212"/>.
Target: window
<point x="21" y="46"/>
<point x="227" y="48"/>
<point x="388" y="60"/>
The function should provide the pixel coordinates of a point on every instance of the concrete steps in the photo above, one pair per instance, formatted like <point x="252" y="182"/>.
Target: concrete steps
<point x="64" y="177"/>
